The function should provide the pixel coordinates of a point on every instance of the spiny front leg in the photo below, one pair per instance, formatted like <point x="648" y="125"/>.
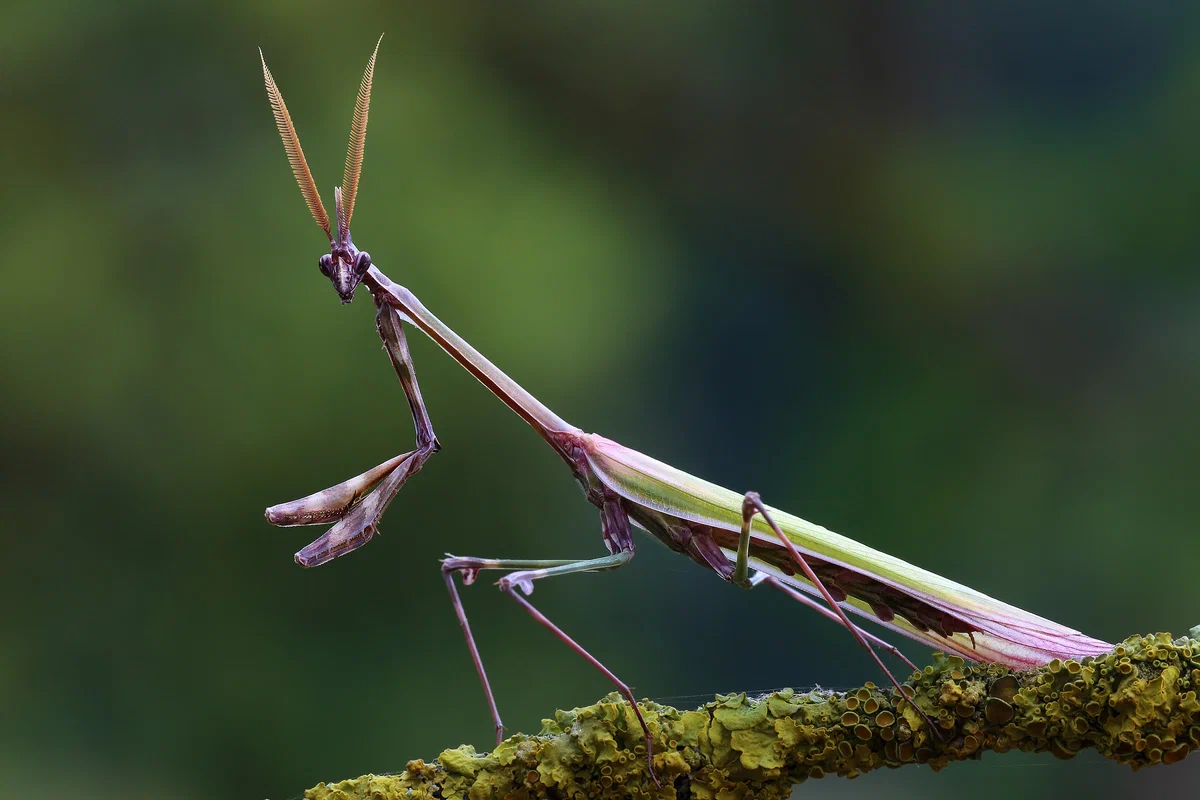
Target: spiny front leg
<point x="354" y="504"/>
<point x="356" y="510"/>
<point x="360" y="525"/>
<point x="391" y="331"/>
<point x="751" y="505"/>
<point x="332" y="504"/>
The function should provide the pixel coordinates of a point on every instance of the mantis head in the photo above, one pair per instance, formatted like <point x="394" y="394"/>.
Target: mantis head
<point x="345" y="269"/>
<point x="344" y="265"/>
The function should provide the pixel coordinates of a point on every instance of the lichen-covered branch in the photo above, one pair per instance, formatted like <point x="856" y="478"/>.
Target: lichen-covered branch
<point x="1136" y="705"/>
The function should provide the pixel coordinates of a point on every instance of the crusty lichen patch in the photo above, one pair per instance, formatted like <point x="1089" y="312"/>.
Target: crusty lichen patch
<point x="1136" y="705"/>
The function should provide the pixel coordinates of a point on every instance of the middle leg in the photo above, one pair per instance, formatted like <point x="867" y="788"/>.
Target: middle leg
<point x="520" y="583"/>
<point x="469" y="568"/>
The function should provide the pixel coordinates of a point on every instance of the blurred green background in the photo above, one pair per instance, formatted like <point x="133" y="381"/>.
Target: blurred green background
<point x="925" y="275"/>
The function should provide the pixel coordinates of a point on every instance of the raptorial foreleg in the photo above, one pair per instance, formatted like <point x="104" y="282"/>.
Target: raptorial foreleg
<point x="357" y="504"/>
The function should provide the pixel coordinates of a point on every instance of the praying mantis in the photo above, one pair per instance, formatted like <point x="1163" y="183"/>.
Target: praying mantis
<point x="734" y="535"/>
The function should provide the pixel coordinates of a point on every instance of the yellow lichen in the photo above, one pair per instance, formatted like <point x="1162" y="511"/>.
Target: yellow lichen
<point x="1137" y="705"/>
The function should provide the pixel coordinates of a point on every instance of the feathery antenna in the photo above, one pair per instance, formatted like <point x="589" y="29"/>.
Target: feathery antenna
<point x="358" y="141"/>
<point x="295" y="154"/>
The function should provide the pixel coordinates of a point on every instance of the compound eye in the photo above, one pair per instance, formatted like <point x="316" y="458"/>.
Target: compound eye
<point x="325" y="263"/>
<point x="363" y="263"/>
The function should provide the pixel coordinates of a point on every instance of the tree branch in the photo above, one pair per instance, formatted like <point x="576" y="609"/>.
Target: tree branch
<point x="1136" y="705"/>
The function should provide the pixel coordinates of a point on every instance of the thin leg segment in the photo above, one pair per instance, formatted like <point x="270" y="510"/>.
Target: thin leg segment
<point x="752" y="505"/>
<point x="622" y="687"/>
<point x="801" y="597"/>
<point x="519" y="583"/>
<point x="538" y="568"/>
<point x="461" y="613"/>
<point x="742" y="568"/>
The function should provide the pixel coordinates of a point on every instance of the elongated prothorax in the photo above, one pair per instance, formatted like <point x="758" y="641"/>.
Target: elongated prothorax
<point x="528" y="407"/>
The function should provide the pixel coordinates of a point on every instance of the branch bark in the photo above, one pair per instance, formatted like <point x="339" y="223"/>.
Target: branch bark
<point x="1136" y="705"/>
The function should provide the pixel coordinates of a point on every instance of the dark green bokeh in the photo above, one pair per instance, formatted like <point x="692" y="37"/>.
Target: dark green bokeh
<point x="926" y="276"/>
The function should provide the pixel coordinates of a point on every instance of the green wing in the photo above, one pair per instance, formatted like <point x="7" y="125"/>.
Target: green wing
<point x="1003" y="633"/>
